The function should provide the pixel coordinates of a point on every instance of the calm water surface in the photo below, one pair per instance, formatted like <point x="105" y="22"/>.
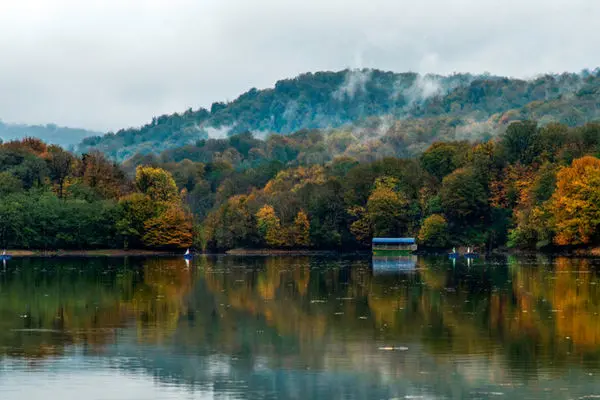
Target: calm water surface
<point x="299" y="328"/>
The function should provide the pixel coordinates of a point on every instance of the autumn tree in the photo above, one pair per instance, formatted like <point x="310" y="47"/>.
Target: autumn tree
<point x="269" y="226"/>
<point x="575" y="205"/>
<point x="388" y="208"/>
<point x="361" y="227"/>
<point x="156" y="183"/>
<point x="102" y="175"/>
<point x="171" y="229"/>
<point x="530" y="215"/>
<point x="434" y="231"/>
<point x="59" y="164"/>
<point x="301" y="230"/>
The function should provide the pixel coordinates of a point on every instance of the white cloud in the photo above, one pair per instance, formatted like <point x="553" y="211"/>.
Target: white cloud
<point x="116" y="63"/>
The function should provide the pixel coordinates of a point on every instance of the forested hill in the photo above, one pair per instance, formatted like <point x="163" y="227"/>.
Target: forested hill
<point x="50" y="133"/>
<point x="346" y="98"/>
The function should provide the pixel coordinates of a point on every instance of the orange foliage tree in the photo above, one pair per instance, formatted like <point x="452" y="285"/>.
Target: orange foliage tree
<point x="171" y="229"/>
<point x="575" y="205"/>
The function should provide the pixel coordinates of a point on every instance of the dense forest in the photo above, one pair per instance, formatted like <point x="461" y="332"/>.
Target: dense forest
<point x="533" y="186"/>
<point x="390" y="106"/>
<point x="50" y="133"/>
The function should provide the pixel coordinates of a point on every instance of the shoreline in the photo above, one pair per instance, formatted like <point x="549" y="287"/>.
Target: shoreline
<point x="593" y="252"/>
<point x="291" y="252"/>
<point x="88" y="253"/>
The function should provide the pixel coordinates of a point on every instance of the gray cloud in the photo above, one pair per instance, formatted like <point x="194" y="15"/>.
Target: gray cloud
<point x="115" y="63"/>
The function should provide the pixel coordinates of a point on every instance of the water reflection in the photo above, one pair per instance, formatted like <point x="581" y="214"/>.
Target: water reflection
<point x="285" y="327"/>
<point x="393" y="265"/>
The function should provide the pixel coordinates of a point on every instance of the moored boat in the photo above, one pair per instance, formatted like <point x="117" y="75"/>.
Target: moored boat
<point x="389" y="247"/>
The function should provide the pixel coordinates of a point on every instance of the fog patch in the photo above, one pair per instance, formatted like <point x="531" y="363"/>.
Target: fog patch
<point x="473" y="130"/>
<point x="423" y="88"/>
<point x="355" y="82"/>
<point x="218" y="132"/>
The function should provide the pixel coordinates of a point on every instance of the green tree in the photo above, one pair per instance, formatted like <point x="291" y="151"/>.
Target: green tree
<point x="135" y="210"/>
<point x="231" y="225"/>
<point x="9" y="184"/>
<point x="441" y="158"/>
<point x="521" y="142"/>
<point x="463" y="197"/>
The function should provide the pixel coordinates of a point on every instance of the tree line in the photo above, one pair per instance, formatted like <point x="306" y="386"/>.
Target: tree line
<point x="53" y="199"/>
<point x="532" y="187"/>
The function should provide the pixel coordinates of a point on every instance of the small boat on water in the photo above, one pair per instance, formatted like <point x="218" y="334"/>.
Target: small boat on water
<point x="5" y="256"/>
<point x="188" y="255"/>
<point x="471" y="253"/>
<point x="454" y="254"/>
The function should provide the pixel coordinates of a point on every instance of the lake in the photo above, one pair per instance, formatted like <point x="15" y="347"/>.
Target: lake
<point x="299" y="328"/>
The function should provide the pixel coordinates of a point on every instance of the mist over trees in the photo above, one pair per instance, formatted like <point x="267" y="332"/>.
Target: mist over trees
<point x="391" y="107"/>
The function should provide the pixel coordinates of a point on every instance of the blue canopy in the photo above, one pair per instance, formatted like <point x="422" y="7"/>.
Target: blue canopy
<point x="394" y="241"/>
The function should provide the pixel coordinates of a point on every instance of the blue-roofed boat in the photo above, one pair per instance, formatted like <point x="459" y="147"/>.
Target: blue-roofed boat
<point x="188" y="255"/>
<point x="4" y="256"/>
<point x="389" y="247"/>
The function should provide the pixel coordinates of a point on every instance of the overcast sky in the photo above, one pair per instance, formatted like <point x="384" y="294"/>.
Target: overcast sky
<point x="110" y="64"/>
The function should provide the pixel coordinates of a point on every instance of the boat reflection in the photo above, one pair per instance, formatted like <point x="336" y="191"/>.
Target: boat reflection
<point x="393" y="265"/>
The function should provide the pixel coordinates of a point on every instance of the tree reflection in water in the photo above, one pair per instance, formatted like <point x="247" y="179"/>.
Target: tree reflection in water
<point x="495" y="322"/>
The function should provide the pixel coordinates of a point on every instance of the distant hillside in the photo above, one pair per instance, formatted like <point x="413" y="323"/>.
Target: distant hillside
<point x="325" y="100"/>
<point x="66" y="137"/>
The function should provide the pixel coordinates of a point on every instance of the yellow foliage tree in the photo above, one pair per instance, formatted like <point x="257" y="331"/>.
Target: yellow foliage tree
<point x="387" y="208"/>
<point x="302" y="230"/>
<point x="295" y="179"/>
<point x="361" y="228"/>
<point x="434" y="231"/>
<point x="156" y="183"/>
<point x="575" y="205"/>
<point x="269" y="226"/>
